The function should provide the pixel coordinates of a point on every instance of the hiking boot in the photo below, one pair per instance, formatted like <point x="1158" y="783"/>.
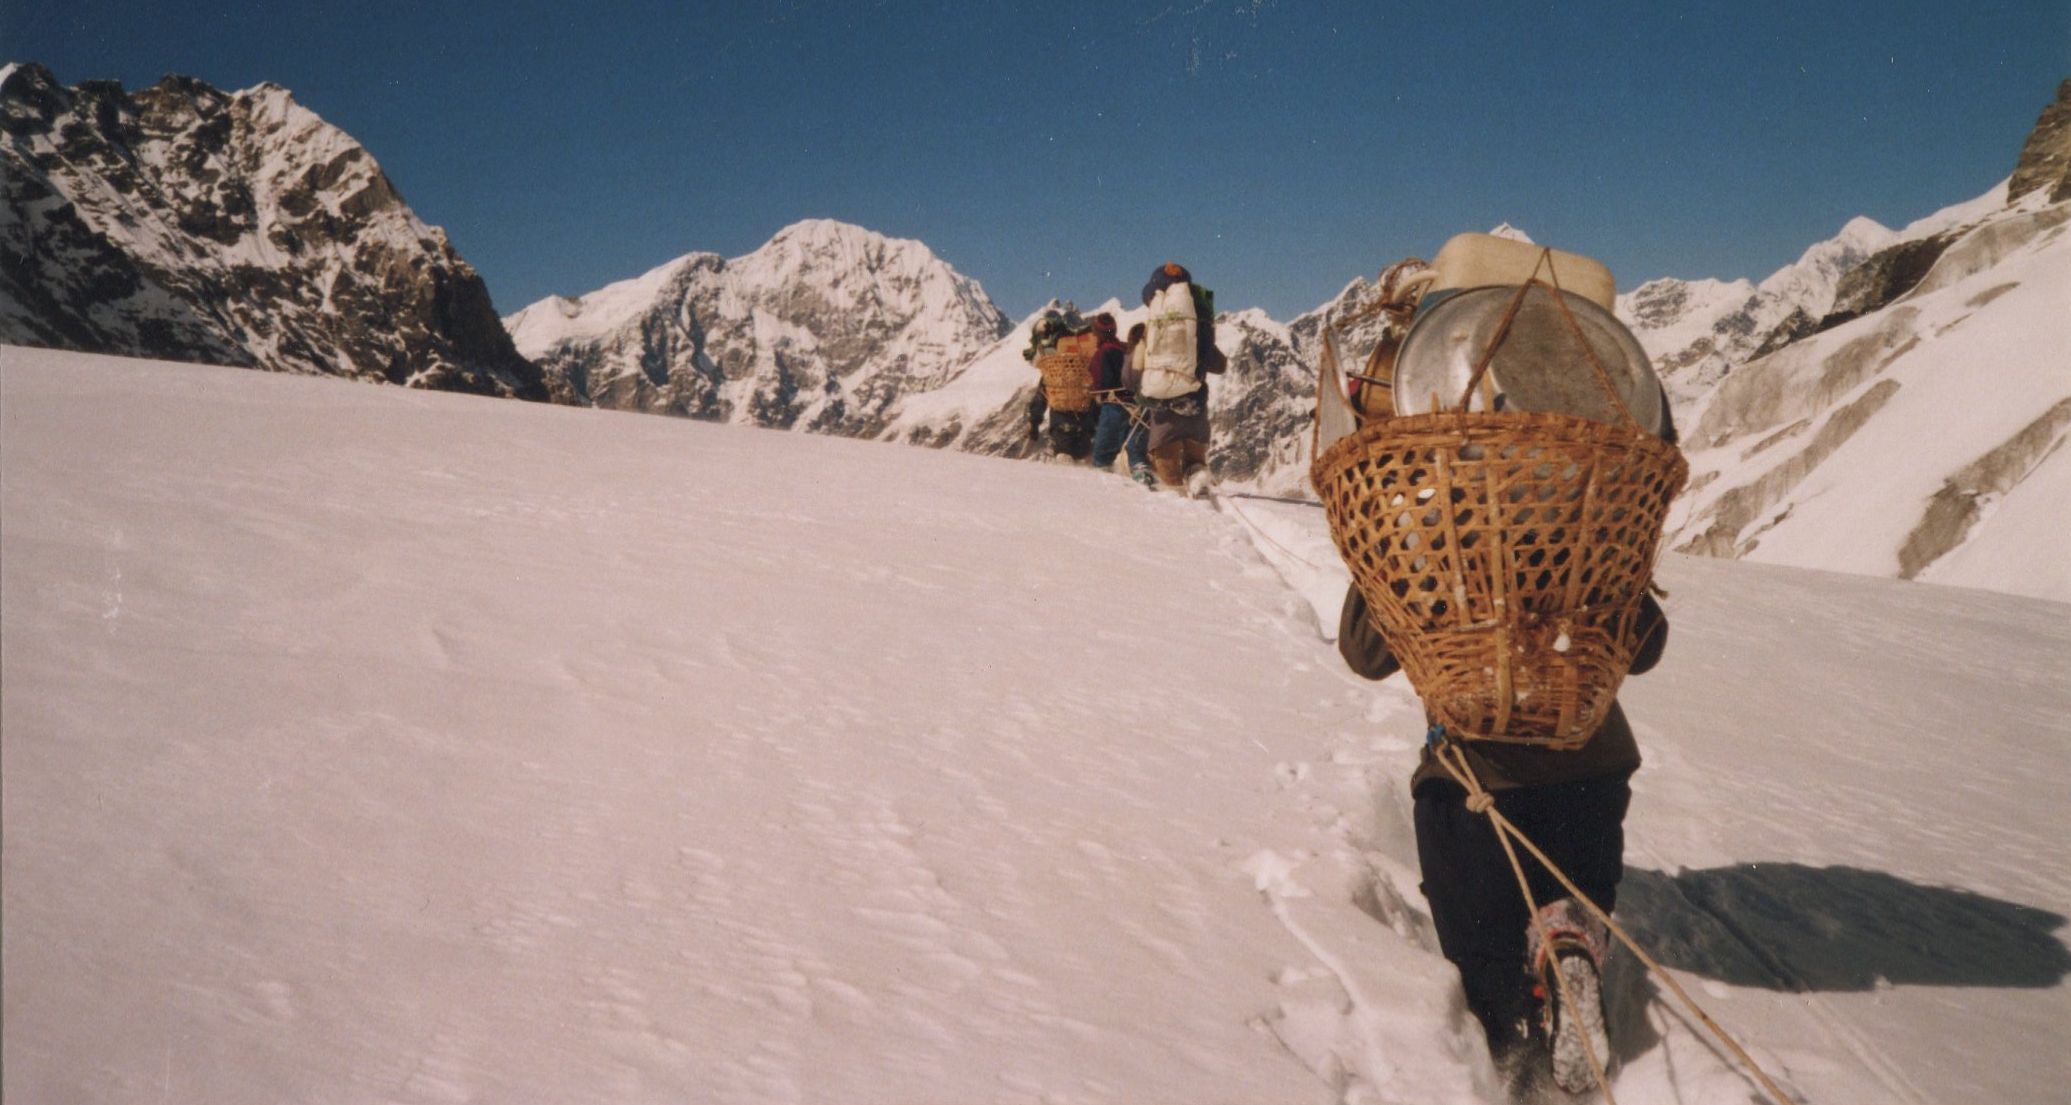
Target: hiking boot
<point x="1575" y="1032"/>
<point x="1145" y="477"/>
<point x="1567" y="953"/>
<point x="1509" y="1017"/>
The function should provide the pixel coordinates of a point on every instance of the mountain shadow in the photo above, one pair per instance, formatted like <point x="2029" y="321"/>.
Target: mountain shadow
<point x="1787" y="926"/>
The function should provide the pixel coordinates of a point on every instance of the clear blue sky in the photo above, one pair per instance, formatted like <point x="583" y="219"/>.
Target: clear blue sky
<point x="1277" y="147"/>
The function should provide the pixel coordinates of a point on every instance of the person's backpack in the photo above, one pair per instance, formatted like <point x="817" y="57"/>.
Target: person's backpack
<point x="1211" y="358"/>
<point x="1172" y="362"/>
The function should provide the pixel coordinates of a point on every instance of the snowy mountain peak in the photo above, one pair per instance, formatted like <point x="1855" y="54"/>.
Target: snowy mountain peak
<point x="1696" y="330"/>
<point x="1809" y="281"/>
<point x="1505" y="230"/>
<point x="835" y="233"/>
<point x="843" y="244"/>
<point x="832" y="254"/>
<point x="1869" y="444"/>
<point x="822" y="328"/>
<point x="1863" y="230"/>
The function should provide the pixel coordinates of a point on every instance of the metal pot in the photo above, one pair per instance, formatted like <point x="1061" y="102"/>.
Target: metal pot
<point x="1539" y="362"/>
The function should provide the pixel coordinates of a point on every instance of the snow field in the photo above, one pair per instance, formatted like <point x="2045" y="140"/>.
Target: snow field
<point x="373" y="745"/>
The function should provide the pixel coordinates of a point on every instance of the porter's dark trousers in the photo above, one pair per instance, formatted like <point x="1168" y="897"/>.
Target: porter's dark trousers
<point x="1480" y="914"/>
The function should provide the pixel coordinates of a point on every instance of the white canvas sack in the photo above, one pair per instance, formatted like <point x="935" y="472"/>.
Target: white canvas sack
<point x="1170" y="362"/>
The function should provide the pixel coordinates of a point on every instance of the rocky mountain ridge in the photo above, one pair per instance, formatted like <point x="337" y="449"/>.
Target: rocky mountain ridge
<point x="231" y="228"/>
<point x="2045" y="162"/>
<point x="1696" y="330"/>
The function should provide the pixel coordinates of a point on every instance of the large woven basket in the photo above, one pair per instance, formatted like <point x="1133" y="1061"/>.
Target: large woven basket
<point x="1504" y="556"/>
<point x="1066" y="384"/>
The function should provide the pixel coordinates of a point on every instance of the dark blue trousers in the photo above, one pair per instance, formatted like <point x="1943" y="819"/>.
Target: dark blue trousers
<point x="1114" y="434"/>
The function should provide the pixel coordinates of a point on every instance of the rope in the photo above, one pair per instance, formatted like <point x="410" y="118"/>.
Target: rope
<point x="1488" y="354"/>
<point x="1552" y="281"/>
<point x="1603" y="375"/>
<point x="1391" y="291"/>
<point x="1352" y="318"/>
<point x="1481" y="801"/>
<point x="1255" y="528"/>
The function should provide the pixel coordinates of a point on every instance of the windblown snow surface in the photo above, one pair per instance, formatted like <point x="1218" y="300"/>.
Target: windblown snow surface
<point x="368" y="745"/>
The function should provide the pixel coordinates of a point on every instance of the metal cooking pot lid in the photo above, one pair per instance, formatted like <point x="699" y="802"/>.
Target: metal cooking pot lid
<point x="1539" y="366"/>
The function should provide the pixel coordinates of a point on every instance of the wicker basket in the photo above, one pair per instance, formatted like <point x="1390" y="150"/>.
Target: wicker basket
<point x="1504" y="556"/>
<point x="1066" y="384"/>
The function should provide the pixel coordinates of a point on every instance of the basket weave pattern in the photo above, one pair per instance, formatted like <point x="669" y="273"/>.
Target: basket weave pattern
<point x="1066" y="386"/>
<point x="1504" y="556"/>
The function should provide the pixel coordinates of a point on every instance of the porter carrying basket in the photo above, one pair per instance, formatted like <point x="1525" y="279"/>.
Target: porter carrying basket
<point x="1066" y="385"/>
<point x="1504" y="554"/>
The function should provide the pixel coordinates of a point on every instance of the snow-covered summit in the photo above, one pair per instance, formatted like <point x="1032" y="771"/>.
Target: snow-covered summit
<point x="821" y="328"/>
<point x="1697" y="330"/>
<point x="1808" y="283"/>
<point x="559" y="318"/>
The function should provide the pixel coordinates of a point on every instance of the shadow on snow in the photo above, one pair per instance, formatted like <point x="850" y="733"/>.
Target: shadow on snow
<point x="1786" y="926"/>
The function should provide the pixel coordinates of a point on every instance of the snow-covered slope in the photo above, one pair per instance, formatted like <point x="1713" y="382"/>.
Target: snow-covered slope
<point x="359" y="748"/>
<point x="1895" y="403"/>
<point x="232" y="228"/>
<point x="1922" y="440"/>
<point x="820" y="329"/>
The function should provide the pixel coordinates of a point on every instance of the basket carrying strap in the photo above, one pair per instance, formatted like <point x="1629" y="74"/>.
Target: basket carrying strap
<point x="1488" y="355"/>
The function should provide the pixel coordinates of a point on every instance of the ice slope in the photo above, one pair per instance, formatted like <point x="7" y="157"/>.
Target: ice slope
<point x="357" y="748"/>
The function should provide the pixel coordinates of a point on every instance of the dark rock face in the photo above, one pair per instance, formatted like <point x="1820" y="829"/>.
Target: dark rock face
<point x="2045" y="160"/>
<point x="1884" y="277"/>
<point x="229" y="228"/>
<point x="1261" y="406"/>
<point x="1797" y="324"/>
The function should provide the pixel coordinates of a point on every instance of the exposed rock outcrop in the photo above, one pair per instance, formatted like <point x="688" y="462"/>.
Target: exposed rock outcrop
<point x="1957" y="506"/>
<point x="1884" y="277"/>
<point x="228" y="228"/>
<point x="1728" y="521"/>
<point x="2045" y="161"/>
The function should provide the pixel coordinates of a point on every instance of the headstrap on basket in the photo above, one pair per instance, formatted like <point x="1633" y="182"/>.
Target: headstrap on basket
<point x="1488" y="354"/>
